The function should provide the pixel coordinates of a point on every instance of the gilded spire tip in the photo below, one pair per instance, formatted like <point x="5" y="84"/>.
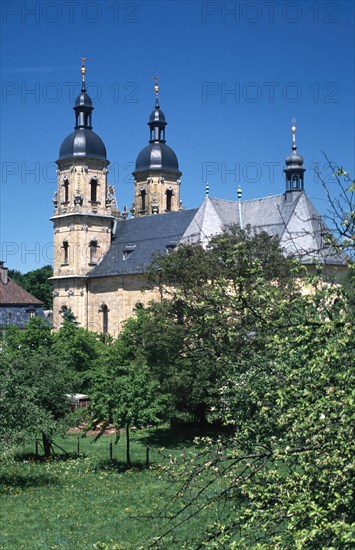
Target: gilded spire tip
<point x="293" y="130"/>
<point x="156" y="89"/>
<point x="83" y="72"/>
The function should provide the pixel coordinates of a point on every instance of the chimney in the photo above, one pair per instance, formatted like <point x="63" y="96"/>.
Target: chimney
<point x="3" y="273"/>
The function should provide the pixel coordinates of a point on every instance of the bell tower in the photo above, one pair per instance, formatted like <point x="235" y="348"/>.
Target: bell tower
<point x="84" y="211"/>
<point x="156" y="174"/>
<point x="294" y="170"/>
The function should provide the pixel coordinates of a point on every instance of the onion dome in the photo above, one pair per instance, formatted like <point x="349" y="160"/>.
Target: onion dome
<point x="83" y="142"/>
<point x="294" y="166"/>
<point x="294" y="159"/>
<point x="157" y="156"/>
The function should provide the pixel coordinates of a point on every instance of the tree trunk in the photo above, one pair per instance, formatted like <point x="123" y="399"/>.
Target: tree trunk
<point x="201" y="414"/>
<point x="128" y="456"/>
<point x="46" y="445"/>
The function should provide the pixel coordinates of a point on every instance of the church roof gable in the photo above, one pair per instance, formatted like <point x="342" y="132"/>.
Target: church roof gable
<point x="291" y="216"/>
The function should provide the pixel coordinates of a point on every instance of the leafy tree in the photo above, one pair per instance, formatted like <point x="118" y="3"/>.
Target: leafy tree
<point x="34" y="385"/>
<point x="340" y="191"/>
<point x="279" y="370"/>
<point x="37" y="283"/>
<point x="216" y="299"/>
<point x="68" y="316"/>
<point x="285" y="478"/>
<point x="80" y="351"/>
<point x="124" y="392"/>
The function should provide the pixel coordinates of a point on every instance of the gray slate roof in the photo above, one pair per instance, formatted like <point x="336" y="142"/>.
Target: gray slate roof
<point x="138" y="239"/>
<point x="290" y="216"/>
<point x="18" y="315"/>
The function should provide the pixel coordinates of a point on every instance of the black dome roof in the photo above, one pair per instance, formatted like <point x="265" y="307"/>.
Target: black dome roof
<point x="83" y="100"/>
<point x="294" y="159"/>
<point x="157" y="116"/>
<point x="83" y="142"/>
<point x="157" y="156"/>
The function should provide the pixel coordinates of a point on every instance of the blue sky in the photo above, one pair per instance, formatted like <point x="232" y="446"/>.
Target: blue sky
<point x="232" y="75"/>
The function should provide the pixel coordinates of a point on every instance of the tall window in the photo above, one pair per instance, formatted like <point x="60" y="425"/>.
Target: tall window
<point x="93" y="193"/>
<point x="295" y="182"/>
<point x="65" y="252"/>
<point x="143" y="197"/>
<point x="66" y="190"/>
<point x="104" y="319"/>
<point x="169" y="195"/>
<point x="93" y="251"/>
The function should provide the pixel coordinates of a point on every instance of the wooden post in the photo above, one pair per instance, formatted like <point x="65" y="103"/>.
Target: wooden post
<point x="147" y="456"/>
<point x="36" y="448"/>
<point x="78" y="448"/>
<point x="110" y="450"/>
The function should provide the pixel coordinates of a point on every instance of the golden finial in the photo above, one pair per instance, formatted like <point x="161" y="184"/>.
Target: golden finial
<point x="83" y="68"/>
<point x="156" y="85"/>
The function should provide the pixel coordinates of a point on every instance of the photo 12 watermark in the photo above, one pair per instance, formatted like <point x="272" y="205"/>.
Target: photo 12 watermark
<point x="13" y="172"/>
<point x="54" y="92"/>
<point x="269" y="92"/>
<point x="236" y="172"/>
<point x="269" y="12"/>
<point x="74" y="12"/>
<point x="252" y="172"/>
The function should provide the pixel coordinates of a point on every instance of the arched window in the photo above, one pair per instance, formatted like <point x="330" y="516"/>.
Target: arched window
<point x="93" y="192"/>
<point x="93" y="251"/>
<point x="66" y="190"/>
<point x="295" y="182"/>
<point x="169" y="195"/>
<point x="104" y="319"/>
<point x="65" y="252"/>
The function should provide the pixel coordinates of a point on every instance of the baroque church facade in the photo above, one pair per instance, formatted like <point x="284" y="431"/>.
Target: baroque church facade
<point x="101" y="255"/>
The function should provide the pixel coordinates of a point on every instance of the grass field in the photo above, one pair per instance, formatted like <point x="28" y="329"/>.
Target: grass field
<point x="89" y="501"/>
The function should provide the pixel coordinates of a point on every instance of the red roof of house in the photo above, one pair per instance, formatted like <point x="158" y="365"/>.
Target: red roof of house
<point x="11" y="294"/>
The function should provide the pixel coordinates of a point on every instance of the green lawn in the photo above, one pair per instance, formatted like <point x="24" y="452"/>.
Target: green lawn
<point x="89" y="501"/>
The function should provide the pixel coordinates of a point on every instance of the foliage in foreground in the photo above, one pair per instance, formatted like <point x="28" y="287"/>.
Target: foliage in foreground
<point x="287" y="474"/>
<point x="38" y="370"/>
<point x="286" y="387"/>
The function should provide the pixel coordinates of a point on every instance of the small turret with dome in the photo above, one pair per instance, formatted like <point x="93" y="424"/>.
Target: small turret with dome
<point x="294" y="170"/>
<point x="156" y="173"/>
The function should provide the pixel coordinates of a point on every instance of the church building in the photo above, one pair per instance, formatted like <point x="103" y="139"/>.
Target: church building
<point x="101" y="254"/>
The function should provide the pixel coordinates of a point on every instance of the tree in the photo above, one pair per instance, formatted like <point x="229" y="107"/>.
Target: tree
<point x="284" y="386"/>
<point x="216" y="299"/>
<point x="80" y="350"/>
<point x="37" y="283"/>
<point x="68" y="316"/>
<point x="339" y="188"/>
<point x="34" y="385"/>
<point x="124" y="393"/>
<point x="283" y="478"/>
